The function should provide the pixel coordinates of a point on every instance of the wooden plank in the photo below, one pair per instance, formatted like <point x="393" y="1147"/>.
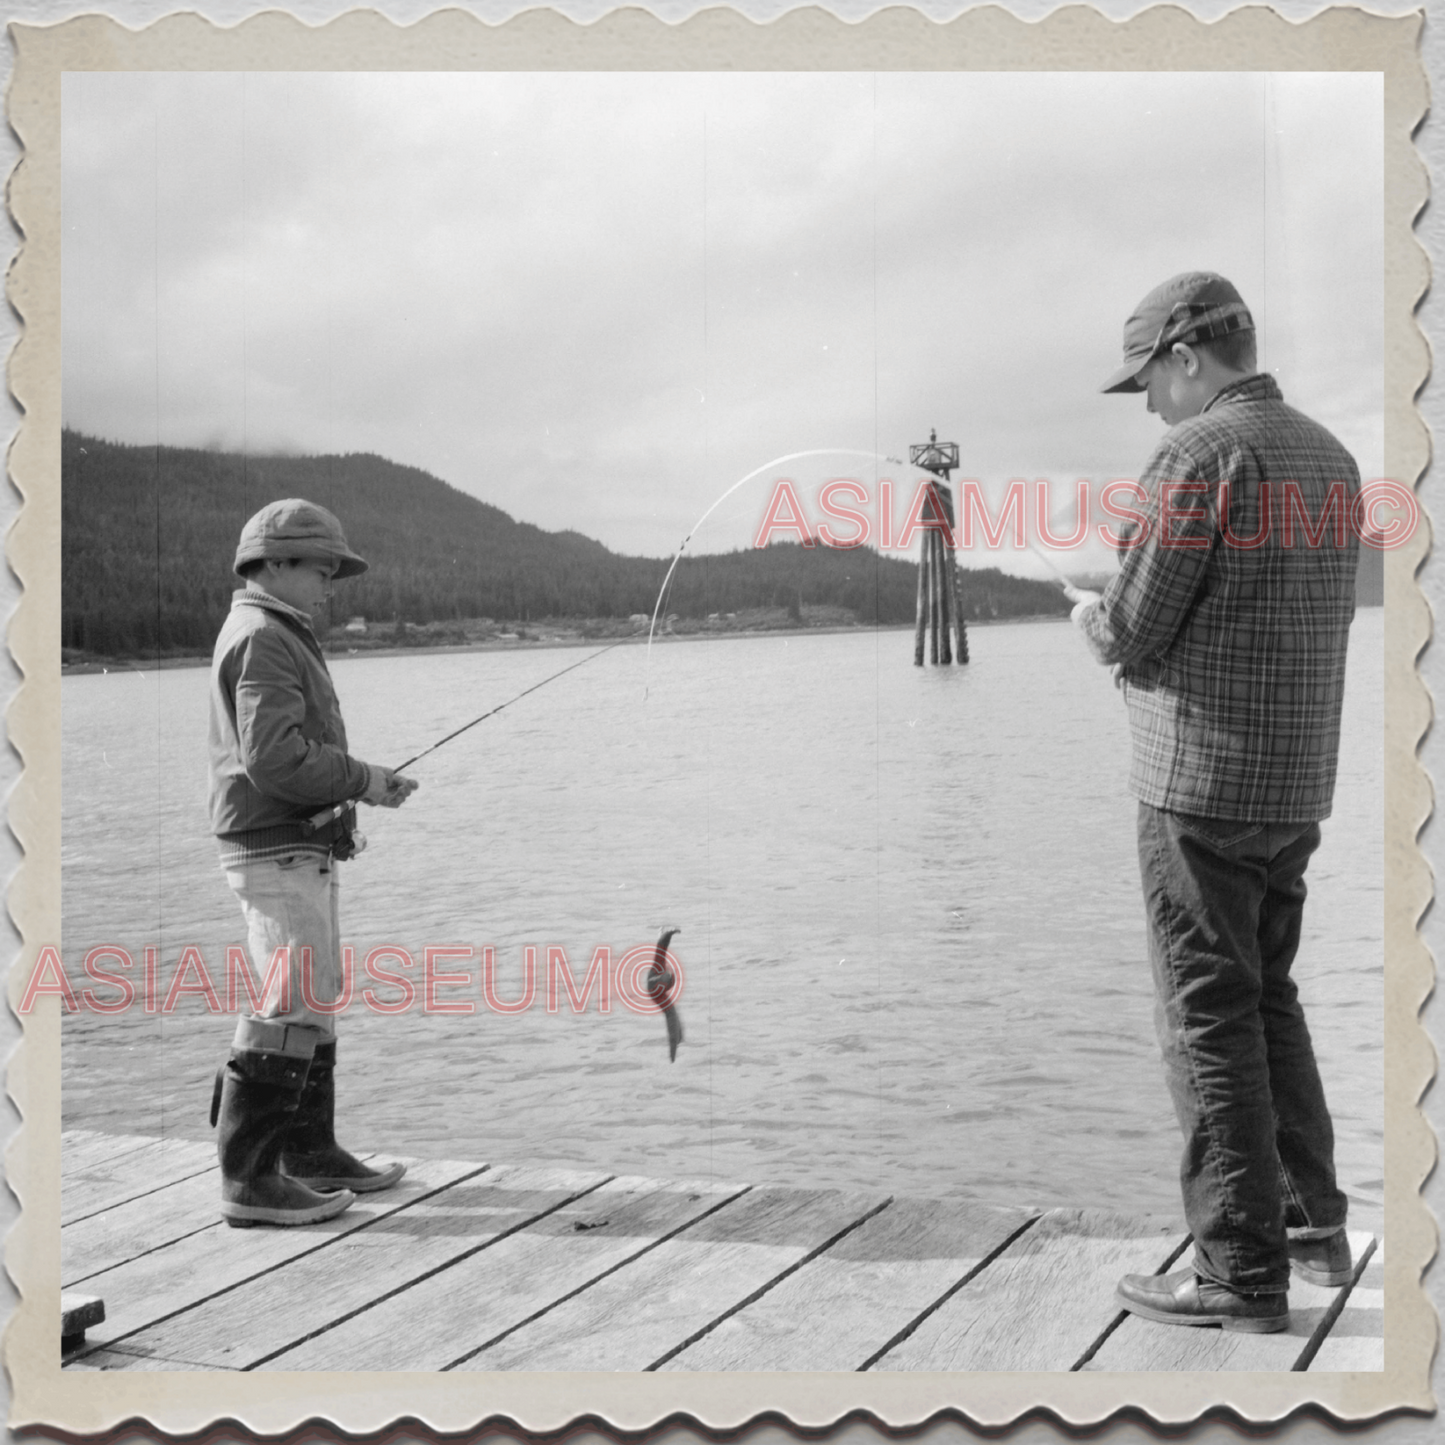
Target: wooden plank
<point x="1043" y="1302"/>
<point x="129" y="1159"/>
<point x="1356" y="1340"/>
<point x="83" y="1152"/>
<point x="84" y="1148"/>
<point x="842" y="1307"/>
<point x="257" y="1320"/>
<point x="1140" y="1344"/>
<point x="102" y="1241"/>
<point x="138" y="1225"/>
<point x="442" y="1318"/>
<point x="634" y="1317"/>
<point x="123" y="1359"/>
<point x="138" y="1172"/>
<point x="178" y="1275"/>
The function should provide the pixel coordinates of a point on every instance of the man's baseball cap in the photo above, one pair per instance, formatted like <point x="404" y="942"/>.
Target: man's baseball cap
<point x="1192" y="307"/>
<point x="295" y="528"/>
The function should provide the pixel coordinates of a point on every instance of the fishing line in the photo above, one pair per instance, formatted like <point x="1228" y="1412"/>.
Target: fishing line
<point x="778" y="461"/>
<point x="756" y="472"/>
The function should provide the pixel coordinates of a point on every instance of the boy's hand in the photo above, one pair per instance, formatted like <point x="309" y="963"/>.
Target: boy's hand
<point x="398" y="790"/>
<point x="387" y="789"/>
<point x="1082" y="599"/>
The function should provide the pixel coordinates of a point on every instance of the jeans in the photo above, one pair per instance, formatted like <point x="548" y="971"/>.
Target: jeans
<point x="291" y="903"/>
<point x="1224" y="902"/>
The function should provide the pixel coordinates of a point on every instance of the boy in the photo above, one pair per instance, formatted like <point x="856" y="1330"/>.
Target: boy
<point x="1228" y="635"/>
<point x="277" y="757"/>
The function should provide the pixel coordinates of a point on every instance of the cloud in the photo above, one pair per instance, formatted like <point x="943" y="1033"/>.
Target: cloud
<point x="598" y="300"/>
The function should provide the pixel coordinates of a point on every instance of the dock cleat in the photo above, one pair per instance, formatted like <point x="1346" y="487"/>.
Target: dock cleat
<point x="1183" y="1298"/>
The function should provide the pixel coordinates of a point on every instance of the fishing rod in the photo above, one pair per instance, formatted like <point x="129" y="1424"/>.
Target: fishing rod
<point x="327" y="815"/>
<point x="742" y="481"/>
<point x="1049" y="563"/>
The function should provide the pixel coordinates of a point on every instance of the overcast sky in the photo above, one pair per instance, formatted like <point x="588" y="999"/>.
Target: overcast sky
<point x="597" y="301"/>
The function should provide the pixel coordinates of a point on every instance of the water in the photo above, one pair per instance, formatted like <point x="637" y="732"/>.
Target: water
<point x="912" y="936"/>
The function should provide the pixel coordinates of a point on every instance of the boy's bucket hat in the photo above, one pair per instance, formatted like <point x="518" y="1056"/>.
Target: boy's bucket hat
<point x="295" y="528"/>
<point x="1192" y="307"/>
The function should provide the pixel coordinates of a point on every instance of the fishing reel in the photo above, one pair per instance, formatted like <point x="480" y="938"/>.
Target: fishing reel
<point x="349" y="840"/>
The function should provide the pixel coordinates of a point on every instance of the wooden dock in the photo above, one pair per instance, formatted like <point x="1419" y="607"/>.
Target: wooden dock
<point x="469" y="1266"/>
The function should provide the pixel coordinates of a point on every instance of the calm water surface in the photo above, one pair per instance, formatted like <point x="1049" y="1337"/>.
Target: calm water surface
<point x="912" y="935"/>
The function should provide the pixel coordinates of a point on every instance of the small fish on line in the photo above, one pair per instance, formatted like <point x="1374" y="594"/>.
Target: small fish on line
<point x="582" y="1224"/>
<point x="660" y="987"/>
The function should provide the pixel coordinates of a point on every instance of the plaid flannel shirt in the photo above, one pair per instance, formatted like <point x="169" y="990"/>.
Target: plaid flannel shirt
<point x="1231" y="612"/>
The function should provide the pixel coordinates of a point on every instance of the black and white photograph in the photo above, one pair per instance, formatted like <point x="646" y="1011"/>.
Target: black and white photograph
<point x="722" y="721"/>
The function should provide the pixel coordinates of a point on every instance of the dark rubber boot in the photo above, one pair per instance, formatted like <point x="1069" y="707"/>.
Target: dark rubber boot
<point x="311" y="1153"/>
<point x="258" y="1096"/>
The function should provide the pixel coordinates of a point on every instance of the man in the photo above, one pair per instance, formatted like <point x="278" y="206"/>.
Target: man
<point x="277" y="758"/>
<point x="1226" y="628"/>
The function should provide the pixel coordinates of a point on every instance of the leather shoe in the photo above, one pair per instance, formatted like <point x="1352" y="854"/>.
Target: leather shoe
<point x="1186" y="1299"/>
<point x="1326" y="1261"/>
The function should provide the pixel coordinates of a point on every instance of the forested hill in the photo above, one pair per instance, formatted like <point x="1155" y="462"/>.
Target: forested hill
<point x="148" y="535"/>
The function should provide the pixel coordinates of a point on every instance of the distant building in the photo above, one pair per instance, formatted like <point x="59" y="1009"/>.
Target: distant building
<point x="357" y="626"/>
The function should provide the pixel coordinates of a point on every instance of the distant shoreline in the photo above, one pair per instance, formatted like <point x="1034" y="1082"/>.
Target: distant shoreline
<point x="535" y="644"/>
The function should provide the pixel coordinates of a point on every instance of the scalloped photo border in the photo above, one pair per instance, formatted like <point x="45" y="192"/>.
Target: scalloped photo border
<point x="1076" y="38"/>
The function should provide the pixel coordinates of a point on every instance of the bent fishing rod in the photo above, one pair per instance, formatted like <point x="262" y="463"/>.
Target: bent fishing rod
<point x="329" y="815"/>
<point x="742" y="481"/>
<point x="1068" y="586"/>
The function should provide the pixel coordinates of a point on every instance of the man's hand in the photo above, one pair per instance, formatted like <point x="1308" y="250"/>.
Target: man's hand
<point x="387" y="789"/>
<point x="1082" y="598"/>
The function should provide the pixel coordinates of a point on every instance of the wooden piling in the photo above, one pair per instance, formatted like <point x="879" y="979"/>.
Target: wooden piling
<point x="945" y="616"/>
<point x="931" y="539"/>
<point x="961" y="652"/>
<point x="938" y="604"/>
<point x="922" y="613"/>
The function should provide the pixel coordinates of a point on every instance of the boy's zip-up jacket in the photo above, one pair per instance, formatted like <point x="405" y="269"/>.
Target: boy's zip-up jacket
<point x="277" y="743"/>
